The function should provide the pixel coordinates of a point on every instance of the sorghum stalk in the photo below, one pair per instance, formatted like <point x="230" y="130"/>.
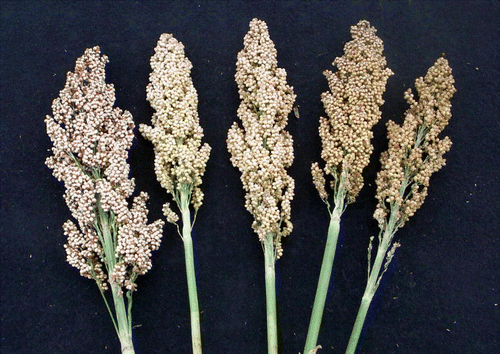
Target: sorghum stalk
<point x="262" y="150"/>
<point x="123" y="323"/>
<point x="353" y="107"/>
<point x="112" y="243"/>
<point x="415" y="152"/>
<point x="190" y="270"/>
<point x="325" y="273"/>
<point x="374" y="277"/>
<point x="270" y="280"/>
<point x="180" y="158"/>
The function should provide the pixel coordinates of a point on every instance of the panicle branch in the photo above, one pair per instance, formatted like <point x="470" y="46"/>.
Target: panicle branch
<point x="180" y="158"/>
<point x="415" y="151"/>
<point x="91" y="140"/>
<point x="262" y="149"/>
<point x="353" y="108"/>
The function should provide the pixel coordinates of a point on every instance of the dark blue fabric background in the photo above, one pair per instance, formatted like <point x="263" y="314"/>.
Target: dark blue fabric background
<point x="442" y="293"/>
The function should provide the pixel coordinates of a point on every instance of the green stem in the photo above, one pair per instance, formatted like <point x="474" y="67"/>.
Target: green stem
<point x="375" y="275"/>
<point x="270" y="275"/>
<point x="190" y="272"/>
<point x="324" y="281"/>
<point x="123" y="323"/>
<point x="371" y="288"/>
<point x="327" y="265"/>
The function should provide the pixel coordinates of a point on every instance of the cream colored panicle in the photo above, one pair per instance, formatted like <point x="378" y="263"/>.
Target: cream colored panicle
<point x="180" y="157"/>
<point x="353" y="108"/>
<point x="415" y="151"/>
<point x="261" y="148"/>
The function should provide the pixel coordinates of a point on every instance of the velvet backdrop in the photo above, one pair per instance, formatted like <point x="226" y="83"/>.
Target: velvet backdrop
<point x="441" y="294"/>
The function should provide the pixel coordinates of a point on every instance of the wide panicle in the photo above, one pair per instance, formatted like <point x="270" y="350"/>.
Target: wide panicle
<point x="91" y="140"/>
